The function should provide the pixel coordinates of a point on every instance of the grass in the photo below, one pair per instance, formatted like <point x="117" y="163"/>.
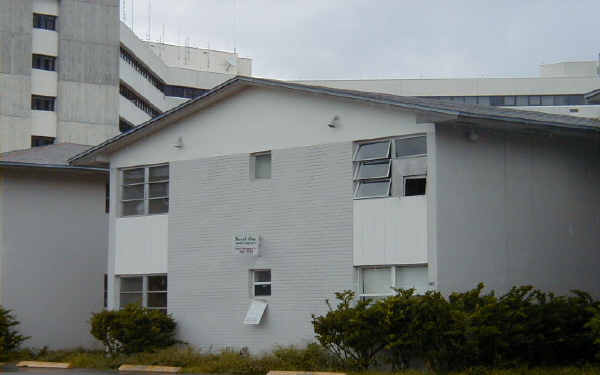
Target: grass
<point x="312" y="358"/>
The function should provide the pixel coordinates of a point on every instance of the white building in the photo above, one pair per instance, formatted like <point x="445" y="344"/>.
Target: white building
<point x="64" y="63"/>
<point x="559" y="89"/>
<point x="243" y="210"/>
<point x="53" y="244"/>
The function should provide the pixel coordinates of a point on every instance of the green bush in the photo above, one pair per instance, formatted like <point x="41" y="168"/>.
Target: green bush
<point x="10" y="339"/>
<point x="524" y="327"/>
<point x="352" y="331"/>
<point x="134" y="329"/>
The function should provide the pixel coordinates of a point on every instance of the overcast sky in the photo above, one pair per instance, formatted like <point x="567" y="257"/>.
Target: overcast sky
<point x="357" y="39"/>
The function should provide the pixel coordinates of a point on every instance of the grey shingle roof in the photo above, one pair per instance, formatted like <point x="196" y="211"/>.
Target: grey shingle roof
<point x="459" y="110"/>
<point x="50" y="156"/>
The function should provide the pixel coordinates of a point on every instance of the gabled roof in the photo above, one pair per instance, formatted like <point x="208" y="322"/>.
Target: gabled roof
<point x="459" y="111"/>
<point x="53" y="156"/>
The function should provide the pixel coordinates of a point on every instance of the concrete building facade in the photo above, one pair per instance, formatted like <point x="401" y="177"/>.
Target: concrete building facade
<point x="59" y="78"/>
<point x="53" y="244"/>
<point x="70" y="71"/>
<point x="258" y="216"/>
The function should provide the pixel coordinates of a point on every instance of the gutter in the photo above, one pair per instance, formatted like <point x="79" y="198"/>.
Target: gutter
<point x="14" y="164"/>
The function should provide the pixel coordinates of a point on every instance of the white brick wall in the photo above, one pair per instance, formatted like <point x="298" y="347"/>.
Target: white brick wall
<point x="304" y="217"/>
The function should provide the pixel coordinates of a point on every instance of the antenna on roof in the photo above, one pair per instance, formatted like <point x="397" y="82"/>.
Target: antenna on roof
<point x="124" y="15"/>
<point x="149" y="20"/>
<point x="132" y="14"/>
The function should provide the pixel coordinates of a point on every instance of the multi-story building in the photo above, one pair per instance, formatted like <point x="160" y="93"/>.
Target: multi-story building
<point x="64" y="63"/>
<point x="251" y="205"/>
<point x="156" y="77"/>
<point x="560" y="89"/>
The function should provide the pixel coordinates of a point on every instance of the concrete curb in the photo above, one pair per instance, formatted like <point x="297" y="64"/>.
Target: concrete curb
<point x="40" y="364"/>
<point x="304" y="373"/>
<point x="142" y="368"/>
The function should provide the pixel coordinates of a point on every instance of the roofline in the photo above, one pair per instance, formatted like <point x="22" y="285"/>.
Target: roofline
<point x="591" y="94"/>
<point x="16" y="164"/>
<point x="348" y="94"/>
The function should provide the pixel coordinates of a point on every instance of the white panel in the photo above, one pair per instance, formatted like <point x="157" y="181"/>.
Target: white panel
<point x="141" y="245"/>
<point x="44" y="82"/>
<point x="44" y="42"/>
<point x="44" y="123"/>
<point x="45" y="7"/>
<point x="390" y="231"/>
<point x="131" y="113"/>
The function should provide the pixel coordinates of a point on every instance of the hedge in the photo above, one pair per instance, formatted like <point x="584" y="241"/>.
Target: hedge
<point x="524" y="327"/>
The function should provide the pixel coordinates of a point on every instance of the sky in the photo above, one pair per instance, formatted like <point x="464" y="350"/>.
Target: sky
<point x="370" y="39"/>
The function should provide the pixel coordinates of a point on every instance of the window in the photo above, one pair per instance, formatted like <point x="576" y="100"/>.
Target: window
<point x="372" y="169"/>
<point x="261" y="282"/>
<point x="37" y="141"/>
<point x="522" y="100"/>
<point x="43" y="62"/>
<point x="105" y="290"/>
<point x="145" y="190"/>
<point x="148" y="291"/>
<point x="376" y="282"/>
<point x="415" y="185"/>
<point x="138" y="101"/>
<point x="107" y="198"/>
<point x="260" y="165"/>
<point x="42" y="103"/>
<point x="547" y="100"/>
<point x="410" y="147"/>
<point x="125" y="125"/>
<point x="374" y="164"/>
<point x="44" y="21"/>
<point x="139" y="67"/>
<point x="519" y="100"/>
<point x="535" y="100"/>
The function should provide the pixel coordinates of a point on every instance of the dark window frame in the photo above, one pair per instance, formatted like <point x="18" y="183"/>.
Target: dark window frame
<point x="39" y="141"/>
<point x="45" y="21"/>
<point x="43" y="62"/>
<point x="43" y="103"/>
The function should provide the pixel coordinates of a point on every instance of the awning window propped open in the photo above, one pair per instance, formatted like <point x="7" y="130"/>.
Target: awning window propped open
<point x="255" y="312"/>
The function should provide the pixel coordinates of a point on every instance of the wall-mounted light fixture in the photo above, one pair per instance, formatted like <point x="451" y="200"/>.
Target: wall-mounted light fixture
<point x="179" y="143"/>
<point x="334" y="122"/>
<point x="473" y="135"/>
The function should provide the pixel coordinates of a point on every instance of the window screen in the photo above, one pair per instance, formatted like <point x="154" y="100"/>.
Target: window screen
<point x="371" y="151"/>
<point x="262" y="165"/>
<point x="145" y="191"/>
<point x="413" y="146"/>
<point x="376" y="281"/>
<point x="261" y="283"/>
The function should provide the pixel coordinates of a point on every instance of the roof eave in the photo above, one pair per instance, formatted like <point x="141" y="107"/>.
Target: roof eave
<point x="12" y="164"/>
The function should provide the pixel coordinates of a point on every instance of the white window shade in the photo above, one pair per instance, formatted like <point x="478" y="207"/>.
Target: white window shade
<point x="376" y="281"/>
<point x="412" y="277"/>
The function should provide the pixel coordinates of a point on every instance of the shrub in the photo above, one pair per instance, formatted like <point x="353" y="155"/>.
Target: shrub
<point x="353" y="331"/>
<point x="524" y="327"/>
<point x="134" y="329"/>
<point x="10" y="339"/>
